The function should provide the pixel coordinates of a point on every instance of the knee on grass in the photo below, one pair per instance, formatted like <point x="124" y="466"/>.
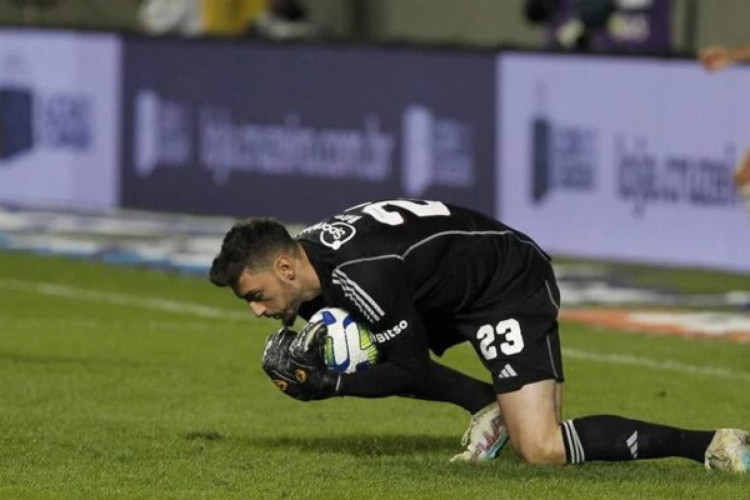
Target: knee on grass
<point x="538" y="451"/>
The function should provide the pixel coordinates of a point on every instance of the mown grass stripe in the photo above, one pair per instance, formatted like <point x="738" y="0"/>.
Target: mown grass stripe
<point x="122" y="299"/>
<point x="662" y="364"/>
<point x="192" y="309"/>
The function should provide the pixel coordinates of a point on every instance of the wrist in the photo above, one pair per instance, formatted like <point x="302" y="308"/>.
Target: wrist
<point x="333" y="381"/>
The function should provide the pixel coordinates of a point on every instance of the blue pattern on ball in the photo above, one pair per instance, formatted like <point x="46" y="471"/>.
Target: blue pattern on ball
<point x="328" y="318"/>
<point x="348" y="320"/>
<point x="343" y="347"/>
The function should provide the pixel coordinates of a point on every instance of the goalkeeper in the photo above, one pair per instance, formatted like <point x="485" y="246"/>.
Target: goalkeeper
<point x="424" y="276"/>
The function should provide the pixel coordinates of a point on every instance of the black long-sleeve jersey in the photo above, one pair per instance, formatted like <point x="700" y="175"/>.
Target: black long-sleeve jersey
<point x="415" y="271"/>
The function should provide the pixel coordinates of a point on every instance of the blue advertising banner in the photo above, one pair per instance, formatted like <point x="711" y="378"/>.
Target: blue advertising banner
<point x="641" y="171"/>
<point x="58" y="125"/>
<point x="299" y="132"/>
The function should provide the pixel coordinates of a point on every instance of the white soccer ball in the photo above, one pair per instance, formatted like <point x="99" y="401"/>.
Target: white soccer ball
<point x="348" y="346"/>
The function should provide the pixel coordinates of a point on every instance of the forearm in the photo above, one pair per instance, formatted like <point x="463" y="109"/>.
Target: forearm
<point x="384" y="379"/>
<point x="436" y="383"/>
<point x="450" y="386"/>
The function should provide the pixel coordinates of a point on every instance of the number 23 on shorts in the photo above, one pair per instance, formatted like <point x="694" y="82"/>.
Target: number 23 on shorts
<point x="509" y="330"/>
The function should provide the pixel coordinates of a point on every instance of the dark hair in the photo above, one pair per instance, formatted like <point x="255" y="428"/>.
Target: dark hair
<point x="249" y="244"/>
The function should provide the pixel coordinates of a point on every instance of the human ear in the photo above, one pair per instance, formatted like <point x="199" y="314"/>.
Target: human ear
<point x="284" y="267"/>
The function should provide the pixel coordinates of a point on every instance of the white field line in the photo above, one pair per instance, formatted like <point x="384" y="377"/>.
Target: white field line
<point x="83" y="324"/>
<point x="121" y="299"/>
<point x="663" y="365"/>
<point x="199" y="310"/>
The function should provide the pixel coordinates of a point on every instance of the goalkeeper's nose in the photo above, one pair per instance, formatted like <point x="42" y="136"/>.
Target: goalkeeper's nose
<point x="258" y="309"/>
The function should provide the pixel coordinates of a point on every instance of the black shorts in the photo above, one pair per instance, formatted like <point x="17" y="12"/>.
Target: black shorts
<point x="519" y="344"/>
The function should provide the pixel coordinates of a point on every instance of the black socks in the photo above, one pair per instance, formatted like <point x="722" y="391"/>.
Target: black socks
<point x="608" y="437"/>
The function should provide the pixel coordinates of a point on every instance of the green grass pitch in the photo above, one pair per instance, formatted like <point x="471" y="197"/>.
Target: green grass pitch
<point x="121" y="383"/>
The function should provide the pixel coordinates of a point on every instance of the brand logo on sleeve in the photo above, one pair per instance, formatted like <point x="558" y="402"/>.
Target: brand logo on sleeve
<point x="390" y="333"/>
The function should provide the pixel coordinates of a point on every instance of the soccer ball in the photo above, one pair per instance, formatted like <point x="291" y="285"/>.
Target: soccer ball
<point x="348" y="347"/>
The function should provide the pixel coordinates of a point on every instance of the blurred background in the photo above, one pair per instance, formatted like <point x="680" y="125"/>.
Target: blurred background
<point x="589" y="124"/>
<point x="479" y="23"/>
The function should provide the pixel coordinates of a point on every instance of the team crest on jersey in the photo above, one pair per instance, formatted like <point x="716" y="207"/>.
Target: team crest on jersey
<point x="336" y="234"/>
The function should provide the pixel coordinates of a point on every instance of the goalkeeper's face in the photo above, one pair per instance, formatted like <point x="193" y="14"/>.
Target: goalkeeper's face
<point x="270" y="294"/>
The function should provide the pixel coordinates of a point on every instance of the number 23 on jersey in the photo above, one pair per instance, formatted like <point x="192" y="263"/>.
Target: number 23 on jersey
<point x="509" y="330"/>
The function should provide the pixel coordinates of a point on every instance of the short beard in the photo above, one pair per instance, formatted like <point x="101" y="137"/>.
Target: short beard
<point x="290" y="315"/>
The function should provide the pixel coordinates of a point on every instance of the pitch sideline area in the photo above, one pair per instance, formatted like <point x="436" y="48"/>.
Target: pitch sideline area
<point x="594" y="294"/>
<point x="133" y="383"/>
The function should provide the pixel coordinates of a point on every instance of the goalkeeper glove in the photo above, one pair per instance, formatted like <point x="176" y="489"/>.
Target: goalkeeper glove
<point x="310" y="370"/>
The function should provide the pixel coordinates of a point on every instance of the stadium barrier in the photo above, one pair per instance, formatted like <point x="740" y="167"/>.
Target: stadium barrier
<point x="616" y="158"/>
<point x="624" y="158"/>
<point x="303" y="131"/>
<point x="59" y="118"/>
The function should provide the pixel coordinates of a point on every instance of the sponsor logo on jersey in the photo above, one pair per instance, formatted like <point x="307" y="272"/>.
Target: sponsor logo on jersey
<point x="351" y="219"/>
<point x="336" y="234"/>
<point x="390" y="333"/>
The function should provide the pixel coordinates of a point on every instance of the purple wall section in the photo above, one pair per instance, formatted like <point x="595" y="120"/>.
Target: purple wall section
<point x="299" y="132"/>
